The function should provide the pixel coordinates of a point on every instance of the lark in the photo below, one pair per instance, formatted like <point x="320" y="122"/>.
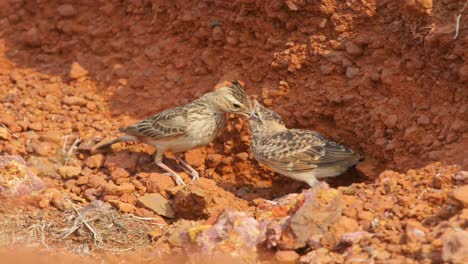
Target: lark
<point x="186" y="127"/>
<point x="300" y="154"/>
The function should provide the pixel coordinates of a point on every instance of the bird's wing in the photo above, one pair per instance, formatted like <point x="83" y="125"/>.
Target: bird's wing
<point x="301" y="150"/>
<point x="164" y="125"/>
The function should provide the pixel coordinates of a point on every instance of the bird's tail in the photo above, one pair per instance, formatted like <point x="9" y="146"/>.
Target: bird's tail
<point x="102" y="146"/>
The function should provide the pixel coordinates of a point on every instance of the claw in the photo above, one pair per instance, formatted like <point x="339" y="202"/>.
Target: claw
<point x="195" y="175"/>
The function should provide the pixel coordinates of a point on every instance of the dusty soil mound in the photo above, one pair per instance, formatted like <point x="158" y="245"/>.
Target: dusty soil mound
<point x="387" y="78"/>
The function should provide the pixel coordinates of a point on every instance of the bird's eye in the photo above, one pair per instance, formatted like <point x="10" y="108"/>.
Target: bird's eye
<point x="236" y="105"/>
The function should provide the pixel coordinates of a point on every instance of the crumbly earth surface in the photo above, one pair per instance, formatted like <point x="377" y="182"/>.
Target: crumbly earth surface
<point x="387" y="78"/>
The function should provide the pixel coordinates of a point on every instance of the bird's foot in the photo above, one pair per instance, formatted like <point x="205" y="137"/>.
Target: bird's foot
<point x="195" y="175"/>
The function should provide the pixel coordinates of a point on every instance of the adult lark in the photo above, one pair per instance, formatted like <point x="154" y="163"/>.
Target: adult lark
<point x="186" y="127"/>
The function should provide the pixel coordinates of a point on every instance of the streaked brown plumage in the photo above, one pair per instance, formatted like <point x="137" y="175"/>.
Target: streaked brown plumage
<point x="299" y="154"/>
<point x="187" y="127"/>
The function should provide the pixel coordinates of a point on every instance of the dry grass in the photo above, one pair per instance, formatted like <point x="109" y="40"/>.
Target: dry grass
<point x="95" y="227"/>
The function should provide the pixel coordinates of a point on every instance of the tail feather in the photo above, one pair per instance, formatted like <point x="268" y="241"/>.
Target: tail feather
<point x="102" y="146"/>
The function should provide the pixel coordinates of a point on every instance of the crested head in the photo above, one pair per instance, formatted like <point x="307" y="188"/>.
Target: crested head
<point x="232" y="99"/>
<point x="265" y="120"/>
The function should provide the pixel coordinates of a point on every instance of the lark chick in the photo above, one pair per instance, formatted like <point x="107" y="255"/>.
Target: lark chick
<point x="187" y="127"/>
<point x="299" y="154"/>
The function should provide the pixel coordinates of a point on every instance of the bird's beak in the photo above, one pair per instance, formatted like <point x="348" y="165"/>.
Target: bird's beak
<point x="254" y="116"/>
<point x="246" y="114"/>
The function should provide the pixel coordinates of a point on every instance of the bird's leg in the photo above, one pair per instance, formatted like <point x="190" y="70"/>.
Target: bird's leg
<point x="158" y="160"/>
<point x="312" y="181"/>
<point x="188" y="168"/>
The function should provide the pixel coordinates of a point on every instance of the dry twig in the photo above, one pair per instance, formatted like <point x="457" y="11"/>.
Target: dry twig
<point x="457" y="23"/>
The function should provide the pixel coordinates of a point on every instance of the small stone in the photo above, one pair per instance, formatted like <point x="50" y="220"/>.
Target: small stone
<point x="353" y="49"/>
<point x="455" y="246"/>
<point x="463" y="72"/>
<point x="37" y="126"/>
<point x="95" y="161"/>
<point x="268" y="102"/>
<point x="352" y="72"/>
<point x="4" y="133"/>
<point x="43" y="167"/>
<point x="195" y="157"/>
<point x="66" y="10"/>
<point x="212" y="160"/>
<point x="461" y="194"/>
<point x="322" y="207"/>
<point x="459" y="126"/>
<point x="217" y="33"/>
<point x="91" y="194"/>
<point x="56" y="198"/>
<point x="123" y="207"/>
<point x="43" y="148"/>
<point x="383" y="255"/>
<point x="52" y="137"/>
<point x="74" y="100"/>
<point x="232" y="40"/>
<point x="16" y="178"/>
<point x="119" y="173"/>
<point x="122" y="159"/>
<point x="242" y="156"/>
<point x="423" y="120"/>
<point x="391" y="120"/>
<point x="327" y="69"/>
<point x="157" y="183"/>
<point x="69" y="171"/>
<point x="286" y="257"/>
<point x="8" y="120"/>
<point x="461" y="177"/>
<point x="113" y="189"/>
<point x="365" y="215"/>
<point x="367" y="168"/>
<point x="143" y="212"/>
<point x="76" y="71"/>
<point x="158" y="204"/>
<point x="82" y="180"/>
<point x="415" y="231"/>
<point x="32" y="37"/>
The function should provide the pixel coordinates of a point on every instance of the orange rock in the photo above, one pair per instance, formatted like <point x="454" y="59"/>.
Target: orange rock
<point x="123" y="207"/>
<point x="415" y="231"/>
<point x="455" y="246"/>
<point x="95" y="161"/>
<point x="157" y="203"/>
<point x="76" y="71"/>
<point x="158" y="183"/>
<point x="365" y="215"/>
<point x="113" y="189"/>
<point x="286" y="257"/>
<point x="68" y="172"/>
<point x="202" y="198"/>
<point x="43" y="148"/>
<point x="212" y="160"/>
<point x="343" y="226"/>
<point x="122" y="159"/>
<point x="461" y="195"/>
<point x="74" y="100"/>
<point x="195" y="157"/>
<point x="97" y="180"/>
<point x="118" y="173"/>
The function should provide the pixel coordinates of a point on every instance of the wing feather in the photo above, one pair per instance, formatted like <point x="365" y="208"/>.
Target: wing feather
<point x="164" y="125"/>
<point x="298" y="150"/>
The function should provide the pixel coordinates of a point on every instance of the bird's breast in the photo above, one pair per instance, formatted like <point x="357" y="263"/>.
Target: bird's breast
<point x="204" y="128"/>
